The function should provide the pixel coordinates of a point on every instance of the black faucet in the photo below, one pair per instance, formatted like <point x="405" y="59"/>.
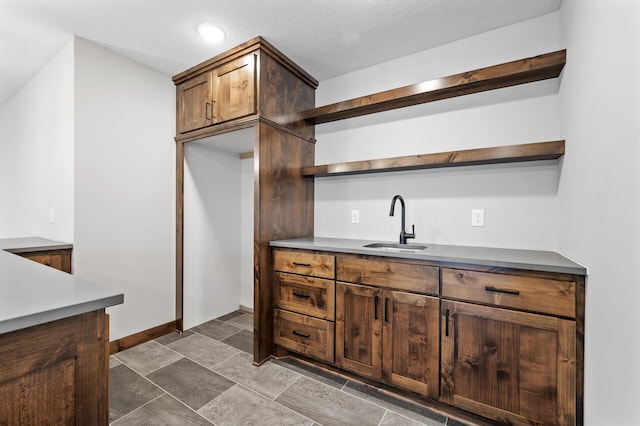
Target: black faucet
<point x="403" y="234"/>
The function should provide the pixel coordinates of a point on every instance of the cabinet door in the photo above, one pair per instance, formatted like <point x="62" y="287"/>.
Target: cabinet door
<point x="513" y="367"/>
<point x="359" y="329"/>
<point x="411" y="344"/>
<point x="234" y="89"/>
<point x="195" y="108"/>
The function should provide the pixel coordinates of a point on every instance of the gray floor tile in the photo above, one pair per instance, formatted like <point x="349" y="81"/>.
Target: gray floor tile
<point x="230" y="316"/>
<point x="394" y="419"/>
<point x="269" y="379"/>
<point x="244" y="321"/>
<point x="114" y="362"/>
<point x="239" y="406"/>
<point x="452" y="422"/>
<point x="191" y="383"/>
<point x="309" y="371"/>
<point x="216" y="329"/>
<point x="407" y="409"/>
<point x="148" y="357"/>
<point x="242" y="340"/>
<point x="164" y="410"/>
<point x="173" y="337"/>
<point x="329" y="406"/>
<point x="128" y="391"/>
<point x="203" y="350"/>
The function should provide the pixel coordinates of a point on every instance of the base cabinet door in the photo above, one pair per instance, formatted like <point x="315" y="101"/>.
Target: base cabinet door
<point x="411" y="344"/>
<point x="513" y="367"/>
<point x="359" y="329"/>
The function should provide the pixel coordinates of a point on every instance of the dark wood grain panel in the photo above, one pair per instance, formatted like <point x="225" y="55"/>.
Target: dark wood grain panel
<point x="509" y="290"/>
<point x="521" y="71"/>
<point x="411" y="342"/>
<point x="390" y="273"/>
<point x="56" y="373"/>
<point x="283" y="95"/>
<point x="513" y="367"/>
<point x="234" y="89"/>
<point x="359" y="329"/>
<point x="57" y="259"/>
<point x="471" y="157"/>
<point x="305" y="295"/>
<point x="310" y="336"/>
<point x="304" y="262"/>
<point x="283" y="203"/>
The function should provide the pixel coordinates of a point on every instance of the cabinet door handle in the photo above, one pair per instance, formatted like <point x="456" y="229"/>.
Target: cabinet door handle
<point x="213" y="104"/>
<point x="306" y="336"/>
<point x="386" y="309"/>
<point x="301" y="296"/>
<point x="206" y="111"/>
<point x="501" y="290"/>
<point x="306" y="265"/>
<point x="446" y="323"/>
<point x="375" y="307"/>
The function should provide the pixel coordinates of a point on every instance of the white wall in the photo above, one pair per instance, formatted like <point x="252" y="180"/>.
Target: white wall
<point x="246" y="232"/>
<point x="36" y="153"/>
<point x="599" y="195"/>
<point x="212" y="233"/>
<point x="519" y="200"/>
<point x="125" y="185"/>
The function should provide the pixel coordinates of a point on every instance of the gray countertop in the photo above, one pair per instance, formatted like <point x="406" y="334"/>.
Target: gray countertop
<point x="547" y="261"/>
<point x="33" y="294"/>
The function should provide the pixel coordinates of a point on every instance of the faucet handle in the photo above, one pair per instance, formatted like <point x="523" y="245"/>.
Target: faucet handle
<point x="413" y="232"/>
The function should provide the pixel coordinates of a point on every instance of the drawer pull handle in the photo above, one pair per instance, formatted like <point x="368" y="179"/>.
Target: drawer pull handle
<point x="446" y="323"/>
<point x="375" y="307"/>
<point x="386" y="309"/>
<point x="301" y="296"/>
<point x="499" y="290"/>
<point x="306" y="336"/>
<point x="306" y="265"/>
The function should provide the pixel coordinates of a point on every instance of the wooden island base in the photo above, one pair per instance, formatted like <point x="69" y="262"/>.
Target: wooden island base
<point x="56" y="373"/>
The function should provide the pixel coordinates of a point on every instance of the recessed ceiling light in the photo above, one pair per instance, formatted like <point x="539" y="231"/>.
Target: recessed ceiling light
<point x="211" y="33"/>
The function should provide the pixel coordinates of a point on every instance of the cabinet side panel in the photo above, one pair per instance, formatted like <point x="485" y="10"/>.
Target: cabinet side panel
<point x="283" y="209"/>
<point x="283" y="96"/>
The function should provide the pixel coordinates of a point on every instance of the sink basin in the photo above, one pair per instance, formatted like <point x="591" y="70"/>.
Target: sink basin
<point x="396" y="247"/>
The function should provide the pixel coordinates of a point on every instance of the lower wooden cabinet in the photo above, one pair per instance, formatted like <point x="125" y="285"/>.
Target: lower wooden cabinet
<point x="388" y="335"/>
<point x="306" y="335"/>
<point x="513" y="367"/>
<point x="503" y="344"/>
<point x="57" y="259"/>
<point x="56" y="373"/>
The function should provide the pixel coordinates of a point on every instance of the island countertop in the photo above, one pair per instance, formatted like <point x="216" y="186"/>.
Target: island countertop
<point x="536" y="260"/>
<point x="33" y="294"/>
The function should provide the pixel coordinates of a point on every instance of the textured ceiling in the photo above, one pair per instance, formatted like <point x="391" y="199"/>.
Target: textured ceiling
<point x="325" y="37"/>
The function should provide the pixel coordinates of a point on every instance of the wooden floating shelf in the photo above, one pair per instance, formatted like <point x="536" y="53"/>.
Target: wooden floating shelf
<point x="528" y="70"/>
<point x="494" y="155"/>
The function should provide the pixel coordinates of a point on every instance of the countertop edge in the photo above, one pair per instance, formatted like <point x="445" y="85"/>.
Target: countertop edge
<point x="39" y="318"/>
<point x="323" y="244"/>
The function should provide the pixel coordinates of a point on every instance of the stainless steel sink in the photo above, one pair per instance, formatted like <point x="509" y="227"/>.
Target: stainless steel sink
<point x="396" y="247"/>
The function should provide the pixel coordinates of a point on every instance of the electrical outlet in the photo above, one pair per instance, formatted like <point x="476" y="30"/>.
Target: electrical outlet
<point x="355" y="216"/>
<point x="52" y="215"/>
<point x="477" y="217"/>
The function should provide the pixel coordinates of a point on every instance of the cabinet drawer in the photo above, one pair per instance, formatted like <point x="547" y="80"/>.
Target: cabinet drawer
<point x="382" y="272"/>
<point x="305" y="295"/>
<point x="310" y="336"/>
<point x="514" y="291"/>
<point x="305" y="263"/>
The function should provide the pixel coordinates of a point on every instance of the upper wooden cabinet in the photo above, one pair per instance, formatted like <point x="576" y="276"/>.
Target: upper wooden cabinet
<point x="252" y="82"/>
<point x="226" y="93"/>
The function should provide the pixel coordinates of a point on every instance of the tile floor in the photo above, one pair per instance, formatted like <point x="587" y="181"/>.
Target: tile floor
<point x="205" y="377"/>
